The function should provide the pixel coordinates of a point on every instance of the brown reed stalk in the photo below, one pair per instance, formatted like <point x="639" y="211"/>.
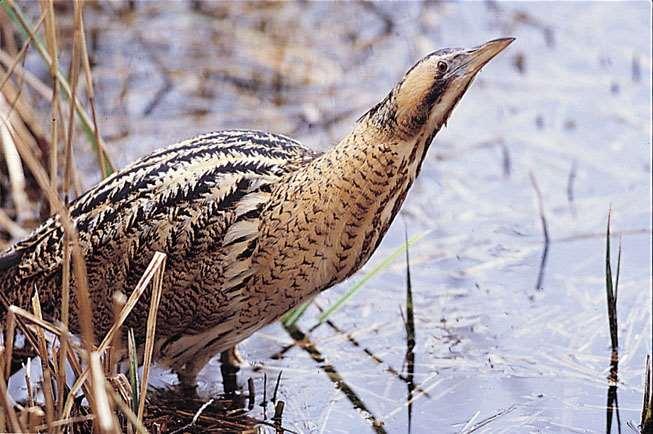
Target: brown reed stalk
<point x="157" y="287"/>
<point x="45" y="366"/>
<point x="157" y="261"/>
<point x="9" y="411"/>
<point x="105" y="165"/>
<point x="103" y="411"/>
<point x="10" y="333"/>
<point x="47" y="7"/>
<point x="98" y="146"/>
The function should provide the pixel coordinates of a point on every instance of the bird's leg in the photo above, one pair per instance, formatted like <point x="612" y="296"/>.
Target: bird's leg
<point x="187" y="374"/>
<point x="230" y="362"/>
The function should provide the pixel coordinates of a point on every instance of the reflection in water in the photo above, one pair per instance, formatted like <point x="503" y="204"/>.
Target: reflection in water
<point x="570" y="187"/>
<point x="409" y="322"/>
<point x="354" y="342"/>
<point x="612" y="290"/>
<point x="646" y="423"/>
<point x="545" y="230"/>
<point x="307" y="345"/>
<point x="229" y="368"/>
<point x="613" y="403"/>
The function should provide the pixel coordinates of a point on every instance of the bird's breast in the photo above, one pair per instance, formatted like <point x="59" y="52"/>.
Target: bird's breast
<point x="325" y="222"/>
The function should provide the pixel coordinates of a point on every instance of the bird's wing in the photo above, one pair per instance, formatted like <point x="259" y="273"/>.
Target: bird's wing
<point x="206" y="188"/>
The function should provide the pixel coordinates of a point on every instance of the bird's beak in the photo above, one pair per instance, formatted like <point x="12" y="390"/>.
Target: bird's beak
<point x="479" y="56"/>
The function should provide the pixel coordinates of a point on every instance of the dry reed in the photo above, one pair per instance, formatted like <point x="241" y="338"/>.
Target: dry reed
<point x="94" y="366"/>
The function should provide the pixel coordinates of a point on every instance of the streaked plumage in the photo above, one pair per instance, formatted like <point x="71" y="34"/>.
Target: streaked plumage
<point x="252" y="223"/>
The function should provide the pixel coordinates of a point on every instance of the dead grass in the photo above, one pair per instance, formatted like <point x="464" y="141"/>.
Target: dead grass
<point x="33" y="163"/>
<point x="92" y="375"/>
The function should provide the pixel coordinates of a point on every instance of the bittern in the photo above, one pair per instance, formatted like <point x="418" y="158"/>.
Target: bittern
<point x="252" y="223"/>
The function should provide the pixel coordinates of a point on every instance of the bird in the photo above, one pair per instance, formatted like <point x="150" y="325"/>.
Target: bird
<point x="252" y="223"/>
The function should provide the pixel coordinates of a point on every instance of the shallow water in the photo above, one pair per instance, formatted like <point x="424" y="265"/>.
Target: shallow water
<point x="568" y="103"/>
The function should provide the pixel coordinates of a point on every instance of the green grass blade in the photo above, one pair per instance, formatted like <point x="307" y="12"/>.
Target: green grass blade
<point x="616" y="282"/>
<point x="292" y="316"/>
<point x="133" y="369"/>
<point x="373" y="272"/>
<point x="611" y="291"/>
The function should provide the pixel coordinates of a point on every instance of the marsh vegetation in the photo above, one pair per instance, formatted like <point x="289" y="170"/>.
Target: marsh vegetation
<point x="498" y="302"/>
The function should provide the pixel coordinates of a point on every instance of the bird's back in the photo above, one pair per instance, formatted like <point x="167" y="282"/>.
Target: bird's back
<point x="198" y="201"/>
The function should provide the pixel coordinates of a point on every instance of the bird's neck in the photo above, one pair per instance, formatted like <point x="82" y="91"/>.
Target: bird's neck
<point x="325" y="221"/>
<point x="366" y="178"/>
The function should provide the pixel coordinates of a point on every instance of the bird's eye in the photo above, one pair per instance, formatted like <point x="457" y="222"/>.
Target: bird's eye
<point x="442" y="67"/>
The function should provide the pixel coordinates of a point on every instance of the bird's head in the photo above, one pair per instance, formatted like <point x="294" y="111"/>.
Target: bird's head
<point x="423" y="100"/>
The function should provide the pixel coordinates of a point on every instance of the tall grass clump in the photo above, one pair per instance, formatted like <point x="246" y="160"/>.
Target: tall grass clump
<point x="38" y="166"/>
<point x="611" y="289"/>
